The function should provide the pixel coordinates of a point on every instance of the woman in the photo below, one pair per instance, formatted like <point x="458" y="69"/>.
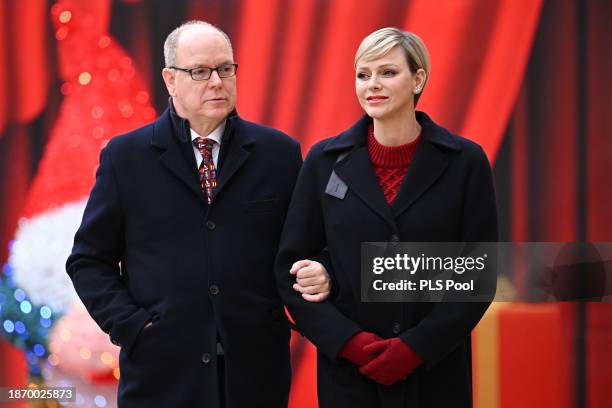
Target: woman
<point x="393" y="176"/>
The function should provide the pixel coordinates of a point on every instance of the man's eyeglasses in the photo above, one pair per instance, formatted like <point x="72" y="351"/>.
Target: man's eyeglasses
<point x="204" y="73"/>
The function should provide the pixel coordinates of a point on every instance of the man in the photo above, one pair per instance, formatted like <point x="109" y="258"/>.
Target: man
<point x="174" y="257"/>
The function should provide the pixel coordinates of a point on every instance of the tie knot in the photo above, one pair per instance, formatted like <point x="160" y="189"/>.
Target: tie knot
<point x="204" y="145"/>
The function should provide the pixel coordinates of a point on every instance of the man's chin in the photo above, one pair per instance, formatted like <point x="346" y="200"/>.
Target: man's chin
<point x="218" y="114"/>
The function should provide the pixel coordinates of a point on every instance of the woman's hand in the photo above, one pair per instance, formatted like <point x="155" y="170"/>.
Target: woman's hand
<point x="311" y="280"/>
<point x="394" y="362"/>
<point x="353" y="350"/>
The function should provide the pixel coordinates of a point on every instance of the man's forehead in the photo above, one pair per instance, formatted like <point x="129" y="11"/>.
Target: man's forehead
<point x="201" y="35"/>
<point x="203" y="43"/>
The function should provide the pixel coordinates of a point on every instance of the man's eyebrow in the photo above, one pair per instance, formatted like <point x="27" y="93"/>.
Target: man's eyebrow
<point x="207" y="66"/>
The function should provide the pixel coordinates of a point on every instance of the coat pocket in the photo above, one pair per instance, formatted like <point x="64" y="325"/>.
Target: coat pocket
<point x="146" y="336"/>
<point x="268" y="204"/>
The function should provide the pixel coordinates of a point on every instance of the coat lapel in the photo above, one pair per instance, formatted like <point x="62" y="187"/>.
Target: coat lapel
<point x="357" y="172"/>
<point x="238" y="141"/>
<point x="178" y="157"/>
<point x="431" y="158"/>
<point x="175" y="155"/>
<point x="429" y="162"/>
<point x="427" y="165"/>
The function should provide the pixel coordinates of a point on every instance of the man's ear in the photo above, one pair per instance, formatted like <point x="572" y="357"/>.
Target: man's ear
<point x="169" y="80"/>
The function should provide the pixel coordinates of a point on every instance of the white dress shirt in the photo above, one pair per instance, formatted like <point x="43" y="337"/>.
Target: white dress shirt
<point x="215" y="135"/>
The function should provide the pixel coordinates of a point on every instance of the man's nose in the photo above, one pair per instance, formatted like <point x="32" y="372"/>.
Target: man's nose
<point x="215" y="79"/>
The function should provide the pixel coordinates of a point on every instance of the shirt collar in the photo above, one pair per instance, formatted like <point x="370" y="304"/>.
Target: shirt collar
<point x="215" y="135"/>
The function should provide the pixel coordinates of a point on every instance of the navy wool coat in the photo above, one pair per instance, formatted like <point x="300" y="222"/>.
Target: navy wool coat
<point x="150" y="248"/>
<point x="446" y="196"/>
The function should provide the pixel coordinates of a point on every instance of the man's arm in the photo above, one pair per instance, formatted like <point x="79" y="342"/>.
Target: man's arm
<point x="304" y="236"/>
<point x="94" y="266"/>
<point x="312" y="277"/>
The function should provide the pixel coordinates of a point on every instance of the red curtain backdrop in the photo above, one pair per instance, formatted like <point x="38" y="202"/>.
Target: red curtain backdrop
<point x="527" y="79"/>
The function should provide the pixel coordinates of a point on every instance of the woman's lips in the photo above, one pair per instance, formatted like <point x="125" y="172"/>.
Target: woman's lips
<point x="376" y="99"/>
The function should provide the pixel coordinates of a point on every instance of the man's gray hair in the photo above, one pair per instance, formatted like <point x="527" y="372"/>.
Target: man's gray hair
<point x="172" y="40"/>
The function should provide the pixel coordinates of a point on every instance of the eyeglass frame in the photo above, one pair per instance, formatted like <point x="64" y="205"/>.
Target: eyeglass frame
<point x="212" y="69"/>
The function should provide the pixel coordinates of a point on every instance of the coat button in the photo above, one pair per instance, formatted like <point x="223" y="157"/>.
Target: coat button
<point x="396" y="328"/>
<point x="206" y="358"/>
<point x="210" y="225"/>
<point x="214" y="290"/>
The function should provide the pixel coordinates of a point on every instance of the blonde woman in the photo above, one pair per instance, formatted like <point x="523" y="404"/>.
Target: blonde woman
<point x="403" y="178"/>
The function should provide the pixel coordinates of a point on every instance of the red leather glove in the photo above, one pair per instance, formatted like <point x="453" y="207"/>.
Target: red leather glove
<point x="394" y="362"/>
<point x="353" y="349"/>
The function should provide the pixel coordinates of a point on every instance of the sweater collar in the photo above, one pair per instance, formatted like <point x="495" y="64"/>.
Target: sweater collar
<point x="390" y="156"/>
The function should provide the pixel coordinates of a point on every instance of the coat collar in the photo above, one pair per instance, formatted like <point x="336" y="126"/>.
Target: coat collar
<point x="170" y="124"/>
<point x="430" y="159"/>
<point x="356" y="135"/>
<point x="172" y="135"/>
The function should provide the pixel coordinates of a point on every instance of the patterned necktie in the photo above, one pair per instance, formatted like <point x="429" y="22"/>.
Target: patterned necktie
<point x="207" y="170"/>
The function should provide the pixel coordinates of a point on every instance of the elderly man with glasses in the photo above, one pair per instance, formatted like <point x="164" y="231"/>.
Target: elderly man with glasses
<point x="174" y="257"/>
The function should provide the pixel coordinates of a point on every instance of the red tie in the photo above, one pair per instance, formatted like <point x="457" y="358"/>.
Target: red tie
<point x="208" y="172"/>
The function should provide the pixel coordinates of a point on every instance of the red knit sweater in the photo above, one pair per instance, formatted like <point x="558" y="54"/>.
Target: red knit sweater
<point x="390" y="163"/>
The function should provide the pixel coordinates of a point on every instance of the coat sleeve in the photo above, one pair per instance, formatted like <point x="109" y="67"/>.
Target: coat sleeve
<point x="449" y="324"/>
<point x="94" y="265"/>
<point x="324" y="259"/>
<point x="303" y="237"/>
<point x="323" y="256"/>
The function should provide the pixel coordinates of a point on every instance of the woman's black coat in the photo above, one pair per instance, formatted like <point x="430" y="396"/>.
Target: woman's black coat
<point x="446" y="196"/>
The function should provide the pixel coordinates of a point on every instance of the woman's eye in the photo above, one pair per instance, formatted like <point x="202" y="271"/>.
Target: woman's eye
<point x="363" y="76"/>
<point x="388" y="73"/>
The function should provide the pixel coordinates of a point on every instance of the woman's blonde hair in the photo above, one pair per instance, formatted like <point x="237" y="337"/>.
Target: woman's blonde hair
<point x="380" y="42"/>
